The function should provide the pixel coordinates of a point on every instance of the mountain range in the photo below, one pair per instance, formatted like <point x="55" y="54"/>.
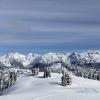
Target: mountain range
<point x="15" y="59"/>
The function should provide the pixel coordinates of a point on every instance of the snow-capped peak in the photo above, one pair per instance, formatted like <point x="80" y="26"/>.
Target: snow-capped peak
<point x="85" y="57"/>
<point x="24" y="59"/>
<point x="53" y="57"/>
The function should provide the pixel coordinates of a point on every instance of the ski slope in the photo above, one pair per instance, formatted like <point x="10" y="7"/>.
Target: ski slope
<point x="39" y="88"/>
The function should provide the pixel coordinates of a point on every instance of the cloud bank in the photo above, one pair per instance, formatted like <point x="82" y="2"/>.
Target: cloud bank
<point x="49" y="25"/>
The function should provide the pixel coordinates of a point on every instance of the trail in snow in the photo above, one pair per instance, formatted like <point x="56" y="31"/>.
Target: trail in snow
<point x="39" y="88"/>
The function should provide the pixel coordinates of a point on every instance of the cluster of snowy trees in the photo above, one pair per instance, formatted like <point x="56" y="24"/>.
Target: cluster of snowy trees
<point x="35" y="71"/>
<point x="7" y="79"/>
<point x="85" y="72"/>
<point x="65" y="79"/>
<point x="47" y="72"/>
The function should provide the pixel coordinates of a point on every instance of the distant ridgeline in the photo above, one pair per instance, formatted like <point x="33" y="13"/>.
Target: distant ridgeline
<point x="84" y="59"/>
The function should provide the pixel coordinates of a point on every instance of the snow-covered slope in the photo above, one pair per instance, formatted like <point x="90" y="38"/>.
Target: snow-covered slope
<point x="38" y="88"/>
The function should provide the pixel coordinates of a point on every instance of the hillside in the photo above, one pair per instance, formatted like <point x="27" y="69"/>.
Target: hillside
<point x="38" y="88"/>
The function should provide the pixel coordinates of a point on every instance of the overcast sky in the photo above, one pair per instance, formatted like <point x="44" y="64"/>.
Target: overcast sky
<point x="49" y="25"/>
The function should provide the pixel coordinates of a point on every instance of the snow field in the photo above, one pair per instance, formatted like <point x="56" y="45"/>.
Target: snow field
<point x="39" y="88"/>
